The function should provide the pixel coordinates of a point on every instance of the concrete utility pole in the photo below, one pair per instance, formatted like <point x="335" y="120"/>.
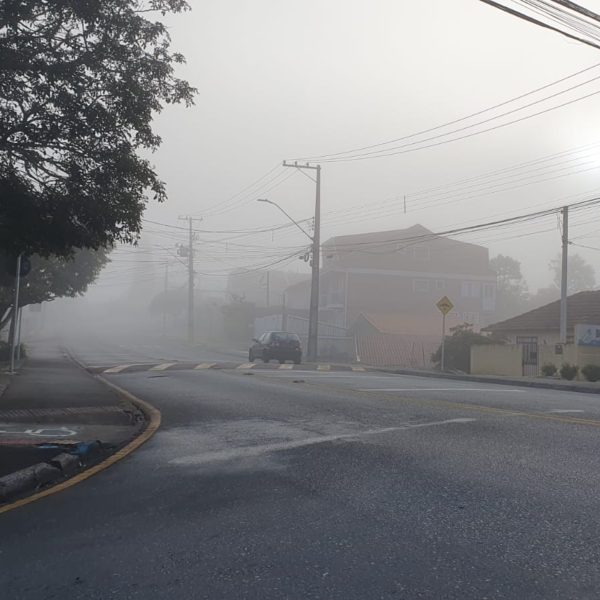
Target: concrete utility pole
<point x="283" y="312"/>
<point x="166" y="299"/>
<point x="564" y="275"/>
<point x="15" y="315"/>
<point x="313" y="315"/>
<point x="190" y="221"/>
<point x="268" y="289"/>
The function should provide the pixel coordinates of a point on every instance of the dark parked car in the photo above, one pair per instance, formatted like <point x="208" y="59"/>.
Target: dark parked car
<point x="278" y="345"/>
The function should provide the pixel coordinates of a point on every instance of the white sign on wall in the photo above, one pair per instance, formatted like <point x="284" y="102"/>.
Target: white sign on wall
<point x="587" y="335"/>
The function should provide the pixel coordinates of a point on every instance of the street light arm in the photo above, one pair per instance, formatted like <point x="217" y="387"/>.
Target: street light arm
<point x="288" y="216"/>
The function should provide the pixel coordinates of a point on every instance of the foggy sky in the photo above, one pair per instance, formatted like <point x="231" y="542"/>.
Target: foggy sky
<point x="280" y="79"/>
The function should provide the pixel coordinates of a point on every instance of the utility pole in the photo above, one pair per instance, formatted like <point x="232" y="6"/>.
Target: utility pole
<point x="283" y="312"/>
<point x="19" y="323"/>
<point x="190" y="221"/>
<point x="313" y="314"/>
<point x="166" y="300"/>
<point x="15" y="314"/>
<point x="564" y="275"/>
<point x="268" y="289"/>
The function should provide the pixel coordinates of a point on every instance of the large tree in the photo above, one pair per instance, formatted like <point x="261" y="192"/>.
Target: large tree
<point x="80" y="81"/>
<point x="580" y="274"/>
<point x="512" y="293"/>
<point x="49" y="278"/>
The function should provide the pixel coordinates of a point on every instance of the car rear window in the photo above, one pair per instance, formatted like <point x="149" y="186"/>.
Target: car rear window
<point x="285" y="337"/>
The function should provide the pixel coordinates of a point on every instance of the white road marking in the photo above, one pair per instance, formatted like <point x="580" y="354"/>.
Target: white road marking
<point x="251" y="451"/>
<point x="118" y="369"/>
<point x="565" y="410"/>
<point x="285" y="366"/>
<point x="42" y="432"/>
<point x="205" y="366"/>
<point x="323" y="367"/>
<point x="510" y="391"/>
<point x="163" y="367"/>
<point x="246" y="366"/>
<point x="359" y="369"/>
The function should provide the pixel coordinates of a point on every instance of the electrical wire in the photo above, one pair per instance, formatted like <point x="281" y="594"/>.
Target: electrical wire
<point x="453" y="122"/>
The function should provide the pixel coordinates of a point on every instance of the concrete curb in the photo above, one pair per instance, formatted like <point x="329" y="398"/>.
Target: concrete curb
<point x="37" y="476"/>
<point x="547" y="385"/>
<point x="66" y="469"/>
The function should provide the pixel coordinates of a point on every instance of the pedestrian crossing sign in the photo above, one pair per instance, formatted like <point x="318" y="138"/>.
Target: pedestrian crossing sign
<point x="444" y="305"/>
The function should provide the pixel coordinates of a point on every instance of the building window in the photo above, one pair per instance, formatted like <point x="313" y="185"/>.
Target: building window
<point x="420" y="285"/>
<point x="470" y="289"/>
<point x="421" y="252"/>
<point x="488" y="290"/>
<point x="440" y="284"/>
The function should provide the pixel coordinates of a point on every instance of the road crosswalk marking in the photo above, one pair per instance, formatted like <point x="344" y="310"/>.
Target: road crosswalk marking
<point x="246" y="366"/>
<point x="202" y="366"/>
<point x="323" y="367"/>
<point x="285" y="366"/>
<point x="118" y="369"/>
<point x="358" y="369"/>
<point x="163" y="366"/>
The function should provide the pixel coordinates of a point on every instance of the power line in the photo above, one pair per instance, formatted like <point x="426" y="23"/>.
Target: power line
<point x="580" y="9"/>
<point x="455" y="121"/>
<point x="406" y="148"/>
<point x="525" y="17"/>
<point x="463" y="230"/>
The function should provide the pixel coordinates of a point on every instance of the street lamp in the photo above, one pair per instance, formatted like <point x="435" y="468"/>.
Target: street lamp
<point x="310" y="237"/>
<point x="313" y="314"/>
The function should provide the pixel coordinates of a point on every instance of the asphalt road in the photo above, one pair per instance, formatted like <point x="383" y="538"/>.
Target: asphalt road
<point x="316" y="485"/>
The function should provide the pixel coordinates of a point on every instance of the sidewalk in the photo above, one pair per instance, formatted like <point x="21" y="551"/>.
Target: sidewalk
<point x="55" y="419"/>
<point x="548" y="383"/>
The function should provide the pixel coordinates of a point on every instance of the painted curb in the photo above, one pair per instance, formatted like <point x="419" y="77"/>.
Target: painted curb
<point x="153" y="420"/>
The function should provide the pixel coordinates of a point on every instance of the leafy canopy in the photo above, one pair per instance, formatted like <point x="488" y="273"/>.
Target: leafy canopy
<point x="80" y="81"/>
<point x="580" y="274"/>
<point x="50" y="278"/>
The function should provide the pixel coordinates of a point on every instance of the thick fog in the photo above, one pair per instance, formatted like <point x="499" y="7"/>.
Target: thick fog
<point x="284" y="80"/>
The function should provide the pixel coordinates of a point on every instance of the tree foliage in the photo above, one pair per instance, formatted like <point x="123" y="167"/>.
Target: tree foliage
<point x="512" y="292"/>
<point x="51" y="278"/>
<point x="80" y="81"/>
<point x="457" y="348"/>
<point x="580" y="274"/>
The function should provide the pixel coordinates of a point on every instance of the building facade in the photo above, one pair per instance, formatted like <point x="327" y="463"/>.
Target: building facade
<point x="402" y="273"/>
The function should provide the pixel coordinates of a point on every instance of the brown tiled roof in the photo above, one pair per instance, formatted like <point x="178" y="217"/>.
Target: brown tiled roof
<point x="383" y="237"/>
<point x="583" y="307"/>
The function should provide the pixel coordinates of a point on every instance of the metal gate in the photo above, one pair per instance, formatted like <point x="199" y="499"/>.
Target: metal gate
<point x="529" y="360"/>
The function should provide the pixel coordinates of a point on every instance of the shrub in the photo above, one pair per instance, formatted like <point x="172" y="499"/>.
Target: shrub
<point x="591" y="372"/>
<point x="568" y="371"/>
<point x="458" y="348"/>
<point x="548" y="370"/>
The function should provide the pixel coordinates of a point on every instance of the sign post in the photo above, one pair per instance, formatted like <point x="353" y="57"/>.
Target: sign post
<point x="444" y="306"/>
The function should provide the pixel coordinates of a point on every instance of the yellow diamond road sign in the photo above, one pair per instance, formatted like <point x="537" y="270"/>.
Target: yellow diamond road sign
<point x="445" y="305"/>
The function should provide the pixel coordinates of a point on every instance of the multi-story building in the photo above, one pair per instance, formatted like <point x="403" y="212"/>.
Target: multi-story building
<point x="398" y="277"/>
<point x="401" y="272"/>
